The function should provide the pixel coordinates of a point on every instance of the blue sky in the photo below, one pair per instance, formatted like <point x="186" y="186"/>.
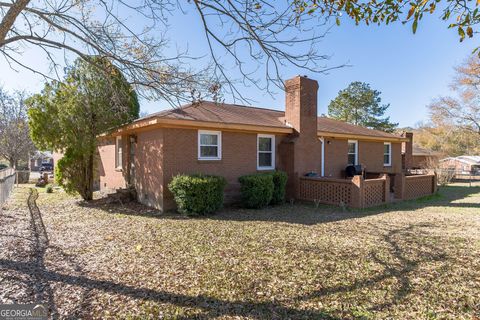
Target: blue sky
<point x="410" y="70"/>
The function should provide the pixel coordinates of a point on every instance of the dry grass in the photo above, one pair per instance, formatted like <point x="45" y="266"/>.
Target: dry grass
<point x="419" y="259"/>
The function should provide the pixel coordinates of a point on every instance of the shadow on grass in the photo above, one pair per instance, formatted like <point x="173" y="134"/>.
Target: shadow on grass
<point x="41" y="278"/>
<point x="308" y="214"/>
<point x="397" y="264"/>
<point x="402" y="262"/>
<point x="301" y="212"/>
<point x="211" y="306"/>
<point x="407" y="253"/>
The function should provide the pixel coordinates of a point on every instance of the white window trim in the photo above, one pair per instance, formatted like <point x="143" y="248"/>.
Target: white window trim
<point x="356" y="150"/>
<point x="271" y="136"/>
<point x="219" y="146"/>
<point x="118" y="145"/>
<point x="389" y="164"/>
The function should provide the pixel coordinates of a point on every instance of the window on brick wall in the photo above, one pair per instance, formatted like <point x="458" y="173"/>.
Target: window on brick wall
<point x="209" y="145"/>
<point x="387" y="154"/>
<point x="265" y="152"/>
<point x="352" y="152"/>
<point x="118" y="152"/>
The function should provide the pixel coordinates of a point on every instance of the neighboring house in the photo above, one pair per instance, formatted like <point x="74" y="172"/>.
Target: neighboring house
<point x="420" y="158"/>
<point x="40" y="158"/>
<point x="232" y="140"/>
<point x="462" y="164"/>
<point x="424" y="158"/>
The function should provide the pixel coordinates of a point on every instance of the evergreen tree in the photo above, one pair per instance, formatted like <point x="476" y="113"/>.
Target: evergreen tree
<point x="360" y="105"/>
<point x="68" y="116"/>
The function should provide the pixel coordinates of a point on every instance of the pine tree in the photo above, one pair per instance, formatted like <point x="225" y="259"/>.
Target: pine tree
<point x="360" y="105"/>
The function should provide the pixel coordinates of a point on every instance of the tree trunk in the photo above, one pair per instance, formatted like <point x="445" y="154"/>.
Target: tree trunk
<point x="89" y="179"/>
<point x="9" y="19"/>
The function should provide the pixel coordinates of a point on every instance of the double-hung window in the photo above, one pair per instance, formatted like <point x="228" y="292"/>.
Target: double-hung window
<point x="118" y="152"/>
<point x="387" y="154"/>
<point x="352" y="152"/>
<point x="209" y="145"/>
<point x="265" y="152"/>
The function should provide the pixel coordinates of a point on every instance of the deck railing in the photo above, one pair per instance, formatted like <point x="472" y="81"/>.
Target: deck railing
<point x="362" y="193"/>
<point x="355" y="193"/>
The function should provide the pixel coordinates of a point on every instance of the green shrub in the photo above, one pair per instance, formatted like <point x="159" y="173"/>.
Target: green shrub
<point x="197" y="194"/>
<point x="256" y="190"/>
<point x="49" y="188"/>
<point x="280" y="183"/>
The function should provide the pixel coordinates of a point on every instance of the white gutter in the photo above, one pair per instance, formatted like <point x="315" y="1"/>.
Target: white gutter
<point x="322" y="140"/>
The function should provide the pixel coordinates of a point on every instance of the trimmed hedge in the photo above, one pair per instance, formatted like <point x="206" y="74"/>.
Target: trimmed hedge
<point x="256" y="190"/>
<point x="261" y="189"/>
<point x="280" y="183"/>
<point x="197" y="194"/>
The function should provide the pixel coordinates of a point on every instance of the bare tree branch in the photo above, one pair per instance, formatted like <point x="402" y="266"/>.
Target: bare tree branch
<point x="9" y="19"/>
<point x="244" y="38"/>
<point x="15" y="142"/>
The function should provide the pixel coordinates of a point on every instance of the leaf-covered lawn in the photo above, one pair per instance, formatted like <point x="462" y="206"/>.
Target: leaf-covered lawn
<point x="418" y="259"/>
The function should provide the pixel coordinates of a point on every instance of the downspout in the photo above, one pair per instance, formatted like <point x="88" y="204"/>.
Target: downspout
<point x="322" y="140"/>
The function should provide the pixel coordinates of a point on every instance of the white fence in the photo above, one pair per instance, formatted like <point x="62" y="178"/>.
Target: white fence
<point x="7" y="181"/>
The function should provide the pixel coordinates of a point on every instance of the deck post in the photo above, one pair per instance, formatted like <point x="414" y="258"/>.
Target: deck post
<point x="357" y="192"/>
<point x="386" y="186"/>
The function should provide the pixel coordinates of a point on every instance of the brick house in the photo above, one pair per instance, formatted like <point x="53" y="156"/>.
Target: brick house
<point x="39" y="158"/>
<point x="415" y="157"/>
<point x="231" y="140"/>
<point x="424" y="158"/>
<point x="465" y="165"/>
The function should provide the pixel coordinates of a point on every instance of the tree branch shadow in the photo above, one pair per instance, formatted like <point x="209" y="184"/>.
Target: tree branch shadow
<point x="213" y="306"/>
<point x="41" y="280"/>
<point x="400" y="271"/>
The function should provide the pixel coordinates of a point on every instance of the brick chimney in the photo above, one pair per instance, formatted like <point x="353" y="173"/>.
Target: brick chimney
<point x="301" y="104"/>
<point x="407" y="150"/>
<point x="301" y="115"/>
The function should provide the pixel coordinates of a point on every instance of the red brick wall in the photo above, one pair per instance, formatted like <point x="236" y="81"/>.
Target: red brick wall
<point x="164" y="153"/>
<point x="149" y="167"/>
<point x="336" y="157"/>
<point x="109" y="177"/>
<point x="408" y="150"/>
<point x="370" y="156"/>
<point x="301" y="114"/>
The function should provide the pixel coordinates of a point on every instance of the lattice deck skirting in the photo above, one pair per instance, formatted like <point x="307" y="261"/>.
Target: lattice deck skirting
<point x="374" y="192"/>
<point x="328" y="191"/>
<point x="361" y="193"/>
<point x="418" y="186"/>
<point x="357" y="192"/>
